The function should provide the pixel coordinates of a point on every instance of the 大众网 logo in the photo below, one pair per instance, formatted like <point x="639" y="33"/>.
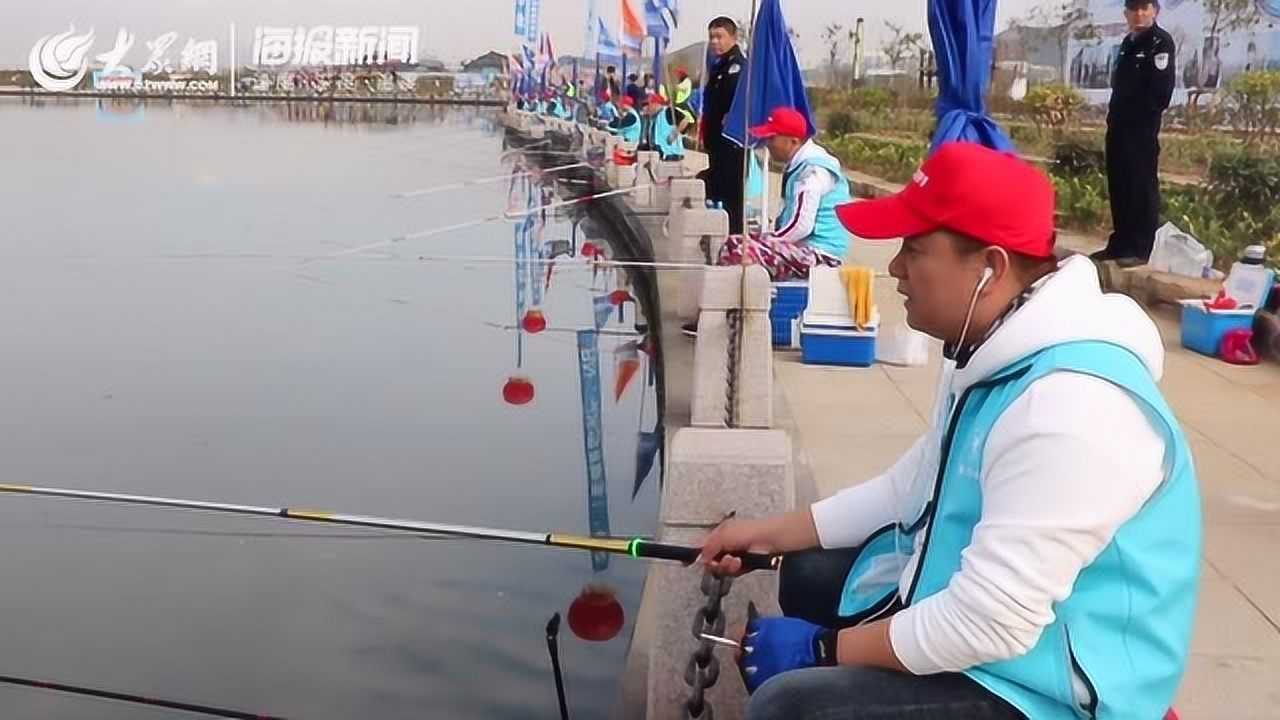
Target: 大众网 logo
<point x="57" y="62"/>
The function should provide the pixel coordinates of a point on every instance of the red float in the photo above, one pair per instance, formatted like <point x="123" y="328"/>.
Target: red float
<point x="619" y="297"/>
<point x="518" y="391"/>
<point x="596" y="615"/>
<point x="534" y="322"/>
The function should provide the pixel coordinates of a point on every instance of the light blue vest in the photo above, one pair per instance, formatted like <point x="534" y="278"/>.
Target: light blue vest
<point x="628" y="133"/>
<point x="1118" y="645"/>
<point x="562" y="109"/>
<point x="829" y="234"/>
<point x="608" y="113"/>
<point x="663" y="131"/>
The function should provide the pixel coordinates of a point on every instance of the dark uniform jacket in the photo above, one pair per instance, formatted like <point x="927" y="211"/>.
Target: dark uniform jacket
<point x="1143" y="81"/>
<point x="722" y="84"/>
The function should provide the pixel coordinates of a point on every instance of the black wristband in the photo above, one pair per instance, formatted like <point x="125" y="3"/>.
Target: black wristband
<point x="824" y="648"/>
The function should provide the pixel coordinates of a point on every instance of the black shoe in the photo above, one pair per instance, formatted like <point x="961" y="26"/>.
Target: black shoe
<point x="690" y="329"/>
<point x="1102" y="255"/>
<point x="1130" y="262"/>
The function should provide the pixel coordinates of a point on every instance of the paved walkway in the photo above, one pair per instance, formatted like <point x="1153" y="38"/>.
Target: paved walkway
<point x="851" y="424"/>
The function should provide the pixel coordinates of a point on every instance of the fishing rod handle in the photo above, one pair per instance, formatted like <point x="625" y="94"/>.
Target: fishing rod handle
<point x="689" y="555"/>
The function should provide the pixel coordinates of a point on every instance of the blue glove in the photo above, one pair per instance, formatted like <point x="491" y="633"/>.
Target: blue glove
<point x="775" y="645"/>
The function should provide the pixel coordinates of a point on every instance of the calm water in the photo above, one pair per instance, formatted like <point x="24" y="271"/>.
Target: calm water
<point x="171" y="326"/>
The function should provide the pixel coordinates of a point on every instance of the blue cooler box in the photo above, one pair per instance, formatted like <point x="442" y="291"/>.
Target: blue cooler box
<point x="824" y="342"/>
<point x="1202" y="329"/>
<point x="790" y="299"/>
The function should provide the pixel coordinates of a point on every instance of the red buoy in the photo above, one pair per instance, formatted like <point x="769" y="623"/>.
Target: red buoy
<point x="589" y="249"/>
<point x="619" y="297"/>
<point x="518" y="391"/>
<point x="596" y="615"/>
<point x="534" y="322"/>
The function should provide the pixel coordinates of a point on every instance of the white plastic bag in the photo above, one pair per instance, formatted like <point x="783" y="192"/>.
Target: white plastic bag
<point x="900" y="345"/>
<point x="1177" y="252"/>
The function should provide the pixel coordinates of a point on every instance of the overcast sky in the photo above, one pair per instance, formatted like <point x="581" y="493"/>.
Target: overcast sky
<point x="452" y="29"/>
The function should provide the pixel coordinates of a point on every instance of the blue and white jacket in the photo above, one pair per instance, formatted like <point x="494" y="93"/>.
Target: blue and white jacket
<point x="1045" y="536"/>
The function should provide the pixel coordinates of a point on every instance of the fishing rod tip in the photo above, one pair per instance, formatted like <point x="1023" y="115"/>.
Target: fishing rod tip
<point x="553" y="626"/>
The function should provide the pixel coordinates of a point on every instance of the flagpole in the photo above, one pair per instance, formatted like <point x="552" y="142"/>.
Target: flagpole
<point x="746" y="121"/>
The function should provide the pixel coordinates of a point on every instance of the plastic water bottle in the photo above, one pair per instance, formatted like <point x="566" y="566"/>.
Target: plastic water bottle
<point x="1250" y="281"/>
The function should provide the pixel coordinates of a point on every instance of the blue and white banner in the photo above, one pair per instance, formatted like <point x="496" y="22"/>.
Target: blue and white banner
<point x="528" y="19"/>
<point x="593" y="441"/>
<point x="660" y="18"/>
<point x="606" y="44"/>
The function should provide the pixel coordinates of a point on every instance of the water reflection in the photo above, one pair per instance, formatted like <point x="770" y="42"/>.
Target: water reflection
<point x="170" y="331"/>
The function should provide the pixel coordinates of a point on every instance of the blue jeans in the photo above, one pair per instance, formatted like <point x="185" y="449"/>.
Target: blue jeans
<point x="809" y="587"/>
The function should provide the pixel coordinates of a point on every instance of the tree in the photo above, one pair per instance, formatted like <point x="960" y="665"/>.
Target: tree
<point x="1062" y="21"/>
<point x="1253" y="104"/>
<point x="831" y="36"/>
<point x="901" y="45"/>
<point x="1227" y="16"/>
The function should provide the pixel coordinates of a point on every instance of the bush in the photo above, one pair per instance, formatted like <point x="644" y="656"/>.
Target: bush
<point x="1052" y="106"/>
<point x="1082" y="200"/>
<point x="892" y="160"/>
<point x="873" y="99"/>
<point x="1252" y="104"/>
<point x="841" y="122"/>
<point x="1073" y="159"/>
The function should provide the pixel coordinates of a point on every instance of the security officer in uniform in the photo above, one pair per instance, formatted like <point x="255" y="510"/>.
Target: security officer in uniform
<point x="724" y="174"/>
<point x="1141" y="87"/>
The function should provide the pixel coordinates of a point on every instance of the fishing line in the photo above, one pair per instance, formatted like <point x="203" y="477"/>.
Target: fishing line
<point x="508" y="215"/>
<point x="486" y="180"/>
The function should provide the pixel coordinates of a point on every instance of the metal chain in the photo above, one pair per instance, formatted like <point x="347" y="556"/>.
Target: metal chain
<point x="732" y="318"/>
<point x="703" y="669"/>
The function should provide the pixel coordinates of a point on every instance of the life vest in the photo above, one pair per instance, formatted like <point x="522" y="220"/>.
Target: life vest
<point x="664" y="137"/>
<point x="1119" y="643"/>
<point x="628" y="126"/>
<point x="829" y="234"/>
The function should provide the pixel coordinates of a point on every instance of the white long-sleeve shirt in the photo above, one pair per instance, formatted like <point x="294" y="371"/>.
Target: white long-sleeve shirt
<point x="810" y="187"/>
<point x="1068" y="462"/>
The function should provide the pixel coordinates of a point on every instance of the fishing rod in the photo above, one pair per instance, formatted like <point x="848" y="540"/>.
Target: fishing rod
<point x="487" y="180"/>
<point x="635" y="547"/>
<point x="134" y="699"/>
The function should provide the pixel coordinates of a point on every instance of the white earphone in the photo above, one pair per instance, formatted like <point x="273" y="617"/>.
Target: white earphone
<point x="987" y="272"/>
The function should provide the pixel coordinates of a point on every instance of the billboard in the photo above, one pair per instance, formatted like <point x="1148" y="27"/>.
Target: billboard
<point x="1204" y="63"/>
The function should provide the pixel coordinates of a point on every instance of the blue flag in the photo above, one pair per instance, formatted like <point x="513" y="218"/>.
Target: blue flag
<point x="773" y="77"/>
<point x="606" y="44"/>
<point x="963" y="36"/>
<point x="660" y="18"/>
<point x="593" y="441"/>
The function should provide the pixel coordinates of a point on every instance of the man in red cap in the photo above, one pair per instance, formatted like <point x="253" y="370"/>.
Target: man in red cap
<point x="628" y="125"/>
<point x="1036" y="554"/>
<point x="807" y="232"/>
<point x="660" y="132"/>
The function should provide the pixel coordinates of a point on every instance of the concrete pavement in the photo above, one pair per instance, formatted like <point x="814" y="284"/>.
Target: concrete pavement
<point x="851" y="424"/>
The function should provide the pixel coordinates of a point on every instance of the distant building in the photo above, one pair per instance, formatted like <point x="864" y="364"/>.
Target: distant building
<point x="491" y="64"/>
<point x="1036" y="46"/>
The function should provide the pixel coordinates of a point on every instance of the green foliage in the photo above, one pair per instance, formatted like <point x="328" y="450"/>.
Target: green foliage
<point x="891" y="160"/>
<point x="1252" y="104"/>
<point x="841" y="122"/>
<point x="1052" y="106"/>
<point x="1082" y="200"/>
<point x="1239" y="206"/>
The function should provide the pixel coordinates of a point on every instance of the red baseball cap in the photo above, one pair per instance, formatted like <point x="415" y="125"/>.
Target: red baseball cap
<point x="628" y="101"/>
<point x="655" y="99"/>
<point x="990" y="196"/>
<point x="787" y="122"/>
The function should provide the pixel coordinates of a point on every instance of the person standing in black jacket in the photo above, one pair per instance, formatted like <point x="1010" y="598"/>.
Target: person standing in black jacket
<point x="1141" y="88"/>
<point x="723" y="177"/>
